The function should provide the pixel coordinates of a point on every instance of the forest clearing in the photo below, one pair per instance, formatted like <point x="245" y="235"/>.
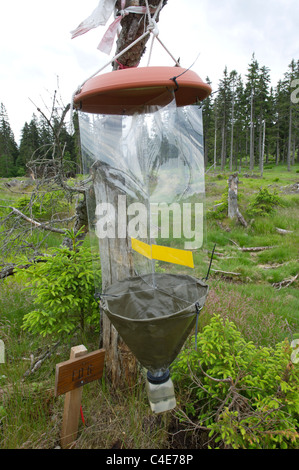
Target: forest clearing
<point x="149" y="240"/>
<point x="253" y="284"/>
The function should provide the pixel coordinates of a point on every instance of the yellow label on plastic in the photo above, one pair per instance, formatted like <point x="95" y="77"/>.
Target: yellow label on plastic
<point x="163" y="253"/>
<point x="142" y="248"/>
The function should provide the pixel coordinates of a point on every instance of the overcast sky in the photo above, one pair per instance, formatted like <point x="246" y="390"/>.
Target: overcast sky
<point x="36" y="45"/>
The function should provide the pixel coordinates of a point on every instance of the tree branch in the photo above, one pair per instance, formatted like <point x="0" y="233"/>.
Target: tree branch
<point x="45" y="226"/>
<point x="252" y="248"/>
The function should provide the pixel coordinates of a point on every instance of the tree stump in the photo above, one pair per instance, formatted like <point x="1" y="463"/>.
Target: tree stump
<point x="233" y="209"/>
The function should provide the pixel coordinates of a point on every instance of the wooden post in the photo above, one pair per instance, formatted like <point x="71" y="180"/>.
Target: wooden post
<point x="233" y="209"/>
<point x="82" y="368"/>
<point x="233" y="195"/>
<point x="72" y="405"/>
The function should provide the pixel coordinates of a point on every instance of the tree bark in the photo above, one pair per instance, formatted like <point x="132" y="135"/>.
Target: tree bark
<point x="133" y="26"/>
<point x="116" y="264"/>
<point x="233" y="195"/>
<point x="233" y="210"/>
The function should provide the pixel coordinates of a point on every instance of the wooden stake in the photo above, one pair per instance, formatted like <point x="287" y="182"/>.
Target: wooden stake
<point x="72" y="405"/>
<point x="82" y="368"/>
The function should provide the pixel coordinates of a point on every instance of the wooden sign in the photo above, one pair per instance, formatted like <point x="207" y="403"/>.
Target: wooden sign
<point x="76" y="372"/>
<point x="71" y="375"/>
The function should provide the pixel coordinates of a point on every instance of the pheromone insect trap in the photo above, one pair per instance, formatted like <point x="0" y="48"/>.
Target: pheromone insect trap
<point x="142" y="143"/>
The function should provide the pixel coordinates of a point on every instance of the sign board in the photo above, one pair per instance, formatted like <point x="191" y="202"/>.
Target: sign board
<point x="76" y="372"/>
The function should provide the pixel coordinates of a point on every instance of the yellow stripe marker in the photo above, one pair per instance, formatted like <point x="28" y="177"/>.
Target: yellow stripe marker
<point x="141" y="248"/>
<point x="163" y="253"/>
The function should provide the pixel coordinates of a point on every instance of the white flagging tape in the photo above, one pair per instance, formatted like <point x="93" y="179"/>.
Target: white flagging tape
<point x="71" y="129"/>
<point x="151" y="29"/>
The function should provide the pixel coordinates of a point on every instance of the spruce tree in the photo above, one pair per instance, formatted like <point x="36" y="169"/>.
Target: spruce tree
<point x="30" y="144"/>
<point x="233" y="81"/>
<point x="262" y="110"/>
<point x="207" y="107"/>
<point x="224" y="99"/>
<point x="251" y="87"/>
<point x="8" y="146"/>
<point x="241" y="122"/>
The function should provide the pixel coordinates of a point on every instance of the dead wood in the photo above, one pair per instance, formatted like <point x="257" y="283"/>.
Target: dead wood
<point x="223" y="227"/>
<point x="116" y="256"/>
<point x="256" y="249"/>
<point x="9" y="269"/>
<point x="283" y="231"/>
<point x="233" y="209"/>
<point x="133" y="26"/>
<point x="35" y="365"/>
<point x="285" y="283"/>
<point x="218" y="271"/>
<point x="240" y="218"/>
<point x="252" y="248"/>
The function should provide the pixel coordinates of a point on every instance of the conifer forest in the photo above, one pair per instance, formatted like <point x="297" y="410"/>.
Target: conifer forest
<point x="246" y="122"/>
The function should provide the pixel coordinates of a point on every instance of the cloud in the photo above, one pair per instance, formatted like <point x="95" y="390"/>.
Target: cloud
<point x="37" y="46"/>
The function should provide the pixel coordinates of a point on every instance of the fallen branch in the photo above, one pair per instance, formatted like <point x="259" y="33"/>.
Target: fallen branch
<point x="241" y="218"/>
<point x="37" y="364"/>
<point x="226" y="229"/>
<point x="234" y="243"/>
<point x="9" y="270"/>
<point x="283" y="231"/>
<point x="217" y="205"/>
<point x="14" y="192"/>
<point x="252" y="248"/>
<point x="45" y="226"/>
<point x="285" y="283"/>
<point x="216" y="253"/>
<point x="257" y="248"/>
<point x="276" y="265"/>
<point x="217" y="271"/>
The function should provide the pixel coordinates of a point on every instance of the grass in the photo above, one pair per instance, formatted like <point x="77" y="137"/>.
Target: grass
<point x="264" y="316"/>
<point x="30" y="415"/>
<point x="257" y="271"/>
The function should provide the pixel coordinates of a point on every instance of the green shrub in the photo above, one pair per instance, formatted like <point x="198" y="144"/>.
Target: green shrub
<point x="64" y="286"/>
<point x="45" y="206"/>
<point x="219" y="212"/>
<point x="264" y="203"/>
<point x="244" y="396"/>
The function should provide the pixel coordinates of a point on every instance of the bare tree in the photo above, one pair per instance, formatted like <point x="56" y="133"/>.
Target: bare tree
<point x="48" y="169"/>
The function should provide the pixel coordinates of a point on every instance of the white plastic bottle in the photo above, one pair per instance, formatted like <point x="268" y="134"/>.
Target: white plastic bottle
<point x="160" y="392"/>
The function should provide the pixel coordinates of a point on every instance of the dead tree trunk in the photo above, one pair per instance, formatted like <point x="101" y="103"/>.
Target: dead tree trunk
<point x="116" y="257"/>
<point x="133" y="26"/>
<point x="116" y="264"/>
<point x="233" y="209"/>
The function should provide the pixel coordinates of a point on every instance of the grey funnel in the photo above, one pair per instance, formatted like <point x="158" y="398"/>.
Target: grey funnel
<point x="155" y="322"/>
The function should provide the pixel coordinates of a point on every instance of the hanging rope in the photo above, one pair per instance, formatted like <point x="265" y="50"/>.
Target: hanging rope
<point x="151" y="29"/>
